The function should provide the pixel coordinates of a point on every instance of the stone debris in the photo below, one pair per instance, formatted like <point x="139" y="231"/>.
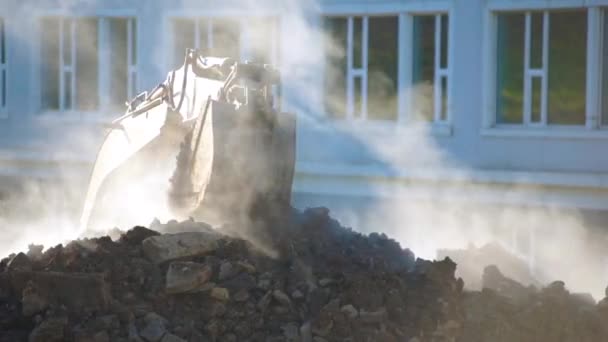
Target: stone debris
<point x="323" y="282"/>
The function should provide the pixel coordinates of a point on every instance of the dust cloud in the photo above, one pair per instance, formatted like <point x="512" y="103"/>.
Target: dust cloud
<point x="553" y="243"/>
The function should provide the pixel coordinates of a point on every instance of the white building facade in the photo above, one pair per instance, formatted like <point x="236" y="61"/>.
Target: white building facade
<point x="395" y="98"/>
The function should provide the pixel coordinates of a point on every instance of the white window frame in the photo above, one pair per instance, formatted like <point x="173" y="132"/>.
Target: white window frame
<point x="101" y="115"/>
<point x="3" y="70"/>
<point x="209" y="17"/>
<point x="405" y="13"/>
<point x="592" y="128"/>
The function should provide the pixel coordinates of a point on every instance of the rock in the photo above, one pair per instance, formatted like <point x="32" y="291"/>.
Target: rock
<point x="227" y="270"/>
<point x="137" y="235"/>
<point x="281" y="297"/>
<point x="184" y="276"/>
<point x="154" y="317"/>
<point x="220" y="294"/>
<point x="372" y="316"/>
<point x="246" y="266"/>
<point x="75" y="291"/>
<point x="172" y="338"/>
<point x="50" y="330"/>
<point x="297" y="295"/>
<point x="291" y="332"/>
<point x="326" y="282"/>
<point x="32" y="302"/>
<point x="306" y="332"/>
<point x="168" y="247"/>
<point x="350" y="311"/>
<point x="241" y="296"/>
<point x="133" y="334"/>
<point x="264" y="301"/>
<point x="20" y="262"/>
<point x="101" y="336"/>
<point x="154" y="329"/>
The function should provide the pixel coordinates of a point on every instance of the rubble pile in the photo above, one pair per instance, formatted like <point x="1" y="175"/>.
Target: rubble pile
<point x="313" y="281"/>
<point x="506" y="311"/>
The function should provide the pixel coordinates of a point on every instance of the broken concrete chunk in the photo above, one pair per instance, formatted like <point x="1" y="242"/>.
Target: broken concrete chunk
<point x="155" y="328"/>
<point x="20" y="262"/>
<point x="373" y="316"/>
<point x="185" y="276"/>
<point x="75" y="291"/>
<point x="32" y="302"/>
<point x="172" y="338"/>
<point x="281" y="297"/>
<point x="350" y="311"/>
<point x="220" y="294"/>
<point x="168" y="247"/>
<point x="227" y="270"/>
<point x="50" y="330"/>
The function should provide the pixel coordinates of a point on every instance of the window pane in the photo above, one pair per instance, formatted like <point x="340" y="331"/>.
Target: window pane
<point x="536" y="40"/>
<point x="357" y="40"/>
<point x="444" y="40"/>
<point x="49" y="30"/>
<point x="226" y="38"/>
<point x="133" y="47"/>
<point x="535" y="114"/>
<point x="382" y="68"/>
<point x="183" y="38"/>
<point x="510" y="68"/>
<point x="3" y="86"/>
<point x="119" y="62"/>
<point x="260" y="38"/>
<point x="424" y="67"/>
<point x="567" y="67"/>
<point x="2" y="42"/>
<point x="604" y="91"/>
<point x="87" y="89"/>
<point x="444" y="98"/>
<point x="358" y="103"/>
<point x="335" y="69"/>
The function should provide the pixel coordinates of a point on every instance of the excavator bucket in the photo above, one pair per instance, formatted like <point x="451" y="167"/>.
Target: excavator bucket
<point x="207" y="143"/>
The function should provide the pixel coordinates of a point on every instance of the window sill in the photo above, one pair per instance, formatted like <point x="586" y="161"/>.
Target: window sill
<point x="577" y="133"/>
<point x="382" y="127"/>
<point x="93" y="118"/>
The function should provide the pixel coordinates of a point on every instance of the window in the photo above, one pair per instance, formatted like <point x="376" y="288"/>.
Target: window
<point x="430" y="68"/>
<point x="362" y="67"/>
<point x="3" y="75"/>
<point x="253" y="39"/>
<point x="542" y="67"/>
<point x="604" y="72"/>
<point x="88" y="63"/>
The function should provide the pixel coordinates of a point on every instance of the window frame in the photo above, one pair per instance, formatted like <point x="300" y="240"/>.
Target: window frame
<point x="196" y="15"/>
<point x="405" y="13"/>
<point x="592" y="127"/>
<point x="101" y="115"/>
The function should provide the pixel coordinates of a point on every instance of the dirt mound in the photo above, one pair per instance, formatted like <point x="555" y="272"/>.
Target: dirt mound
<point x="313" y="281"/>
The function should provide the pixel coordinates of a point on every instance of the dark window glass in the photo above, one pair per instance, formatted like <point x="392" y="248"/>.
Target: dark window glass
<point x="119" y="67"/>
<point x="423" y="68"/>
<point x="335" y="69"/>
<point x="567" y="67"/>
<point x="49" y="73"/>
<point x="510" y="68"/>
<point x="87" y="64"/>
<point x="382" y="68"/>
<point x="604" y="92"/>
